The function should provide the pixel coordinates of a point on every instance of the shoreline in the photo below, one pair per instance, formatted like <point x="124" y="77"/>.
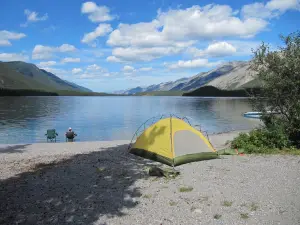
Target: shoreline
<point x="231" y="133"/>
<point x="101" y="183"/>
<point x="16" y="158"/>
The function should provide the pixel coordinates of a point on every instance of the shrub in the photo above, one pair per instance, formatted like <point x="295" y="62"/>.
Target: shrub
<point x="278" y="73"/>
<point x="262" y="140"/>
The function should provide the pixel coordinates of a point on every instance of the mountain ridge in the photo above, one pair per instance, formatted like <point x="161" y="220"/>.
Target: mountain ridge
<point x="27" y="76"/>
<point x="228" y="76"/>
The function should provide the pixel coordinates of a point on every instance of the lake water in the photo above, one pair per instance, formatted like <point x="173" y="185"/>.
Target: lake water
<point x="26" y="119"/>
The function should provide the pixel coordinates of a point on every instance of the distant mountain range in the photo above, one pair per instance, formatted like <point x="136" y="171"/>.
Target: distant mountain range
<point x="229" y="76"/>
<point x="27" y="76"/>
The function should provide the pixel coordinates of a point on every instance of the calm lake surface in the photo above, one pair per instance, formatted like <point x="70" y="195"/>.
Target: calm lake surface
<point x="26" y="119"/>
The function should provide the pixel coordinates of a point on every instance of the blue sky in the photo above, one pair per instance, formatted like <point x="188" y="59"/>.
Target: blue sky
<point x="110" y="45"/>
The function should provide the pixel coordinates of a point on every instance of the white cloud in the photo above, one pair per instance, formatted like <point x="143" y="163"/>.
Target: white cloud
<point x="133" y="54"/>
<point x="257" y="10"/>
<point x="193" y="23"/>
<point x="6" y="36"/>
<point x="77" y="70"/>
<point x="283" y="5"/>
<point x="70" y="60"/>
<point x="96" y="13"/>
<point x="13" y="57"/>
<point x="47" y="52"/>
<point x="5" y="43"/>
<point x="173" y="31"/>
<point x="218" y="49"/>
<point x="93" y="67"/>
<point x="66" y="48"/>
<point x="145" y="69"/>
<point x="190" y="64"/>
<point x="113" y="59"/>
<point x="101" y="30"/>
<point x="128" y="68"/>
<point x="269" y="10"/>
<point x="92" y="72"/>
<point x="33" y="17"/>
<point x="46" y="64"/>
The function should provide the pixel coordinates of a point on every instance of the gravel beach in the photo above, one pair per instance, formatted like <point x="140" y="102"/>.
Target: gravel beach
<point x="100" y="183"/>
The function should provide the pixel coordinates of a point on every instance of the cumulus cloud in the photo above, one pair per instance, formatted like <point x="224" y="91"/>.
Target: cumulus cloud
<point x="192" y="23"/>
<point x="128" y="68"/>
<point x="191" y="64"/>
<point x="47" y="52"/>
<point x="46" y="64"/>
<point x="101" y="30"/>
<point x="77" y="70"/>
<point x="7" y="36"/>
<point x="134" y="54"/>
<point x="93" y="71"/>
<point x="269" y="10"/>
<point x="6" y="57"/>
<point x="96" y="13"/>
<point x="93" y="67"/>
<point x="173" y="31"/>
<point x="113" y="59"/>
<point x="218" y="49"/>
<point x="66" y="48"/>
<point x="33" y="17"/>
<point x="70" y="60"/>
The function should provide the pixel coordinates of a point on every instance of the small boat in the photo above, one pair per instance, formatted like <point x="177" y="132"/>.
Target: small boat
<point x="257" y="114"/>
<point x="252" y="114"/>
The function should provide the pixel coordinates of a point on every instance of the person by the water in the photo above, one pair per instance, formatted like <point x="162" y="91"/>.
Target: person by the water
<point x="70" y="134"/>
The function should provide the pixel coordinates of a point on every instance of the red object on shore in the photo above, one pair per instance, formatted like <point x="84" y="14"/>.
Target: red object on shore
<point x="241" y="154"/>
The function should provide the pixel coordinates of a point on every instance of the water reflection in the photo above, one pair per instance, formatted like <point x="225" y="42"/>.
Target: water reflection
<point x="25" y="119"/>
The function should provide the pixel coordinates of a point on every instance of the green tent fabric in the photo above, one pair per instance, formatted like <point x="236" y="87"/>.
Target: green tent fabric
<point x="230" y="151"/>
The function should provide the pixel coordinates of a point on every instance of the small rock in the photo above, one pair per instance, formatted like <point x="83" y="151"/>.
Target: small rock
<point x="198" y="211"/>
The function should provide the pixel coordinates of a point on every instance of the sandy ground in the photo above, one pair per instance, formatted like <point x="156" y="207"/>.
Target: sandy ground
<point x="100" y="183"/>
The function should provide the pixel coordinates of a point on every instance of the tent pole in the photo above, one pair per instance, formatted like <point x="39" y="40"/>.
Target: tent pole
<point x="171" y="141"/>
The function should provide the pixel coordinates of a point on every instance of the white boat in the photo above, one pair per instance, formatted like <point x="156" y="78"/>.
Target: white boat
<point x="257" y="114"/>
<point x="253" y="114"/>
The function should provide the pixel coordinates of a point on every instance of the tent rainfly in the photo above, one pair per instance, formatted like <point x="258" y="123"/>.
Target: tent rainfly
<point x="173" y="142"/>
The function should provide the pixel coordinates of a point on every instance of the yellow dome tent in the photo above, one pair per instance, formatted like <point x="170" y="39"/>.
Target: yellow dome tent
<point x="174" y="142"/>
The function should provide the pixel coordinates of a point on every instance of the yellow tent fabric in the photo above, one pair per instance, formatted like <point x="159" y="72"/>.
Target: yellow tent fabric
<point x="174" y="142"/>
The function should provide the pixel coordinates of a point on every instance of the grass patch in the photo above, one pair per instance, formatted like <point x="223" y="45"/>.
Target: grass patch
<point x="147" y="196"/>
<point x="217" y="216"/>
<point x="227" y="203"/>
<point x="253" y="207"/>
<point x="172" y="203"/>
<point x="186" y="189"/>
<point x="244" y="215"/>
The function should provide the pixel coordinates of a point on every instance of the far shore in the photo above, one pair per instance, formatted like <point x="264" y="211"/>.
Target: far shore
<point x="101" y="183"/>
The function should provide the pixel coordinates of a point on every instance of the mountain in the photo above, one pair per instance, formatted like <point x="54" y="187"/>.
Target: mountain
<point x="21" y="75"/>
<point x="230" y="76"/>
<point x="238" y="77"/>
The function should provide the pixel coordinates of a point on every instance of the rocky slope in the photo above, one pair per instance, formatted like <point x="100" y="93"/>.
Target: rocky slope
<point x="228" y="76"/>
